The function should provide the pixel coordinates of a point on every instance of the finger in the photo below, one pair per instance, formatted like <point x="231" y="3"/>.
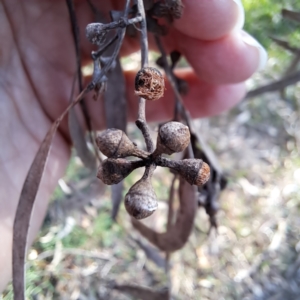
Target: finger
<point x="210" y="20"/>
<point x="202" y="100"/>
<point x="231" y="59"/>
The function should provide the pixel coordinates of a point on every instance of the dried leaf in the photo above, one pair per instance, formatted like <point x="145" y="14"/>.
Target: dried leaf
<point x="175" y="57"/>
<point x="79" y="141"/>
<point x="116" y="117"/>
<point x="154" y="27"/>
<point x="152" y="254"/>
<point x="115" y="101"/>
<point x="143" y="293"/>
<point x="26" y="203"/>
<point x="171" y="203"/>
<point x="116" y="197"/>
<point x="178" y="234"/>
<point x="76" y="34"/>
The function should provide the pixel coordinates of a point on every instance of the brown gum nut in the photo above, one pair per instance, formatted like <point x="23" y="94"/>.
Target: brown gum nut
<point x="115" y="143"/>
<point x="141" y="201"/>
<point x="173" y="137"/>
<point x="203" y="174"/>
<point x="112" y="171"/>
<point x="195" y="171"/>
<point x="149" y="84"/>
<point x="109" y="140"/>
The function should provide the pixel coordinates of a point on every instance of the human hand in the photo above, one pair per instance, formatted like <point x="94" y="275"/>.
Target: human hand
<point x="37" y="65"/>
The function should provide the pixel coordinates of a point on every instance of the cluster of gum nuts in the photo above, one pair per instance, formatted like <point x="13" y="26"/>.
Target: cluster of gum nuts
<point x="141" y="201"/>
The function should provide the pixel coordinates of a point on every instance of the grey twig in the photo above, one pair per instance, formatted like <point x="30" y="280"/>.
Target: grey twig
<point x="141" y="120"/>
<point x="121" y="23"/>
<point x="121" y="33"/>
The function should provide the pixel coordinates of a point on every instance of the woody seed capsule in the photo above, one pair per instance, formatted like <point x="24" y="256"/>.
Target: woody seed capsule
<point x="112" y="171"/>
<point x="141" y="201"/>
<point x="95" y="33"/>
<point x="172" y="137"/>
<point x="195" y="171"/>
<point x="114" y="143"/>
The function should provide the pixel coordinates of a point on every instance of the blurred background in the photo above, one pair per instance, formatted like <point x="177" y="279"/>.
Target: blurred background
<point x="82" y="254"/>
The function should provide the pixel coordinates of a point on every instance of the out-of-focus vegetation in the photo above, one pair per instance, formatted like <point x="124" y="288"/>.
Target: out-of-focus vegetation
<point x="264" y="20"/>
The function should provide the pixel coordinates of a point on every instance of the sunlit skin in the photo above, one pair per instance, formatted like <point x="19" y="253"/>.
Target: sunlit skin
<point x="37" y="65"/>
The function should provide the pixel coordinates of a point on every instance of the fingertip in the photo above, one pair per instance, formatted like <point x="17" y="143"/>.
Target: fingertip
<point x="206" y="99"/>
<point x="210" y="20"/>
<point x="232" y="59"/>
<point x="263" y="55"/>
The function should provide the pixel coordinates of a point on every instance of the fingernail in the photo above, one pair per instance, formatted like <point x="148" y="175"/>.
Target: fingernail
<point x="263" y="55"/>
<point x="241" y="15"/>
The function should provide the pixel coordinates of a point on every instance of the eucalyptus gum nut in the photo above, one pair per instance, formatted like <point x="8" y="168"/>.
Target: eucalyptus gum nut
<point x="194" y="171"/>
<point x="172" y="137"/>
<point x="112" y="171"/>
<point x="141" y="201"/>
<point x="95" y="33"/>
<point x="114" y="143"/>
<point x="108" y="141"/>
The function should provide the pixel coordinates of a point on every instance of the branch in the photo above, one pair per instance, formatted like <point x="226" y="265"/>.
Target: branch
<point x="291" y="15"/>
<point x="275" y="86"/>
<point x="286" y="45"/>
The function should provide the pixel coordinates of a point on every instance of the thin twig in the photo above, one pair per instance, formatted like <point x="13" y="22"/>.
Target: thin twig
<point x="121" y="34"/>
<point x="75" y="32"/>
<point x="292" y="15"/>
<point x="121" y="23"/>
<point x="179" y="106"/>
<point x="185" y="115"/>
<point x="141" y="120"/>
<point x="276" y="85"/>
<point x="286" y="45"/>
<point x="74" y="251"/>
